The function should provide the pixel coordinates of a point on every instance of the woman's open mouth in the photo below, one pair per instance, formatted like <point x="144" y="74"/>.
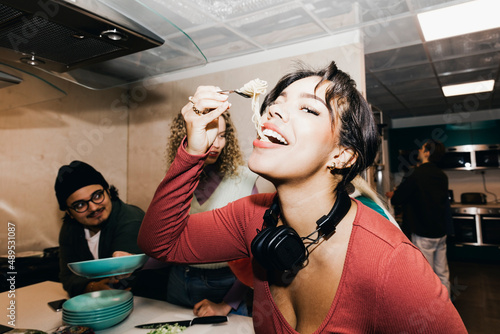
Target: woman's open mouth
<point x="273" y="137"/>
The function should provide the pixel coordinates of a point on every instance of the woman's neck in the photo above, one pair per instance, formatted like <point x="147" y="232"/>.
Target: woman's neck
<point x="301" y="207"/>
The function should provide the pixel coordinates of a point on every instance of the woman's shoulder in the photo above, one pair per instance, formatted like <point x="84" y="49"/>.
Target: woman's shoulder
<point x="252" y="205"/>
<point x="378" y="227"/>
<point x="256" y="200"/>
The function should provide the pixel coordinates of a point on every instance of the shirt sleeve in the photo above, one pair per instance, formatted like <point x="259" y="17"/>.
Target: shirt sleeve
<point x="404" y="191"/>
<point x="236" y="294"/>
<point x="412" y="298"/>
<point x="168" y="233"/>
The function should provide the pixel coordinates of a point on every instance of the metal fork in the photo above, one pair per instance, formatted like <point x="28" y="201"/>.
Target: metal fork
<point x="235" y="91"/>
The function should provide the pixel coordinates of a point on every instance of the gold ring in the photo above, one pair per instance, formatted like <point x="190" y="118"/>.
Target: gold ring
<point x="196" y="111"/>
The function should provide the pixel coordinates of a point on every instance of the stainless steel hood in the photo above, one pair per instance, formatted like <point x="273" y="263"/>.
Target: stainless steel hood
<point x="88" y="41"/>
<point x="61" y="36"/>
<point x="7" y="79"/>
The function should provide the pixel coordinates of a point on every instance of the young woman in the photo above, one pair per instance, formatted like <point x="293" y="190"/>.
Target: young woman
<point x="212" y="288"/>
<point x="360" y="275"/>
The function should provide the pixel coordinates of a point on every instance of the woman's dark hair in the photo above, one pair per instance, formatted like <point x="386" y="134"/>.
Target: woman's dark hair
<point x="357" y="129"/>
<point x="113" y="195"/>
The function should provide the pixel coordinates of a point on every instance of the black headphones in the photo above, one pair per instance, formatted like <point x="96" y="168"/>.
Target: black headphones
<point x="281" y="248"/>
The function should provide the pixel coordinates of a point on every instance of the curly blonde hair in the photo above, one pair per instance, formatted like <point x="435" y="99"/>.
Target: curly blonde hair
<point x="230" y="158"/>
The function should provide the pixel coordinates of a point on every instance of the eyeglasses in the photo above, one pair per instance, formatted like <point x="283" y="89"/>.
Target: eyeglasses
<point x="97" y="197"/>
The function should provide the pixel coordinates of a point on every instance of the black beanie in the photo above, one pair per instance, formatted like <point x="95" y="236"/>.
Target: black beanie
<point x="74" y="176"/>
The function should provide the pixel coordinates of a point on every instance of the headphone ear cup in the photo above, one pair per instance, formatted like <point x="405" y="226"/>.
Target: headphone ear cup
<point x="279" y="248"/>
<point x="260" y="249"/>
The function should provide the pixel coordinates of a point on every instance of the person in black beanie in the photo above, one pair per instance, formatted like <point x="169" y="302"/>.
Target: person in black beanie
<point x="96" y="225"/>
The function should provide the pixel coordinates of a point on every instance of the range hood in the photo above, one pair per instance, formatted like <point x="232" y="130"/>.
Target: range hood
<point x="7" y="80"/>
<point x="97" y="44"/>
<point x="60" y="35"/>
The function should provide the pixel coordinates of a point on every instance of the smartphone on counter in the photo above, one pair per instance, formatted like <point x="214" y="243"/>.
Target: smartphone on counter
<point x="56" y="305"/>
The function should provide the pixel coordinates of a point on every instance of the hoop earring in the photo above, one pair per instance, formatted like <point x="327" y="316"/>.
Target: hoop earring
<point x="332" y="167"/>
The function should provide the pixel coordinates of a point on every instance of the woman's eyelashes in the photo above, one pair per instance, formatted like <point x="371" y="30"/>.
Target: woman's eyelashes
<point x="305" y="106"/>
<point x="309" y="110"/>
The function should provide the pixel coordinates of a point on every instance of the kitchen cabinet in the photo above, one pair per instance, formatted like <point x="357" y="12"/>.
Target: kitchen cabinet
<point x="403" y="142"/>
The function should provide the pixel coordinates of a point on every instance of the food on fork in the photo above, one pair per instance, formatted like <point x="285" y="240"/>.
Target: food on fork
<point x="254" y="89"/>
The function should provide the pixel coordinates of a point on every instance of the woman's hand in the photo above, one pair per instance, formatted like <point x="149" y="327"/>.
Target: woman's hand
<point x="118" y="254"/>
<point x="121" y="253"/>
<point x="201" y="114"/>
<point x="103" y="284"/>
<point x="207" y="308"/>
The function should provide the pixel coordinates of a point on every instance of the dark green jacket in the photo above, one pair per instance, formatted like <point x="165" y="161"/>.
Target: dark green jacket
<point x="118" y="233"/>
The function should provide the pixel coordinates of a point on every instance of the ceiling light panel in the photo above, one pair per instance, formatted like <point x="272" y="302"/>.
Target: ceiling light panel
<point x="466" y="18"/>
<point x="469" y="88"/>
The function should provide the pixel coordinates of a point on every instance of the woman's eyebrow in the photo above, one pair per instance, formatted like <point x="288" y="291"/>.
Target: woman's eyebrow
<point x="314" y="97"/>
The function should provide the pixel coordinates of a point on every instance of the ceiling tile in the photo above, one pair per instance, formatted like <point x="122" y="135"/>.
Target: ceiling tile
<point x="399" y="57"/>
<point x="218" y="42"/>
<point x="390" y="34"/>
<point x="410" y="73"/>
<point x="470" y="44"/>
<point x="468" y="64"/>
<point x="414" y="85"/>
<point x="434" y="94"/>
<point x="334" y="15"/>
<point x="278" y="26"/>
<point x="432" y="4"/>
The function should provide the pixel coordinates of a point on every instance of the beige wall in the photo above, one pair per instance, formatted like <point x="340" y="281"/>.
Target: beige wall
<point x="46" y="131"/>
<point x="124" y="140"/>
<point x="149" y="121"/>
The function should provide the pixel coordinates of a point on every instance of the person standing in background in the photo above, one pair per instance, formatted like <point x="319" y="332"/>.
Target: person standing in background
<point x="212" y="289"/>
<point x="425" y="194"/>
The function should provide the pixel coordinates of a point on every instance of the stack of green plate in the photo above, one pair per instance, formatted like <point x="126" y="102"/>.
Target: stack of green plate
<point x="98" y="309"/>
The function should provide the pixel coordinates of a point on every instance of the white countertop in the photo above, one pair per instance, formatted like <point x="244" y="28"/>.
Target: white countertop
<point x="31" y="311"/>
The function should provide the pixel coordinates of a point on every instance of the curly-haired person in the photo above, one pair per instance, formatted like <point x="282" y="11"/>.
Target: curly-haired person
<point x="212" y="289"/>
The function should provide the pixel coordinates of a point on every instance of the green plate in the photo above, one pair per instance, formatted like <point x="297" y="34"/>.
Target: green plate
<point x="97" y="301"/>
<point x="110" y="266"/>
<point x="102" y="324"/>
